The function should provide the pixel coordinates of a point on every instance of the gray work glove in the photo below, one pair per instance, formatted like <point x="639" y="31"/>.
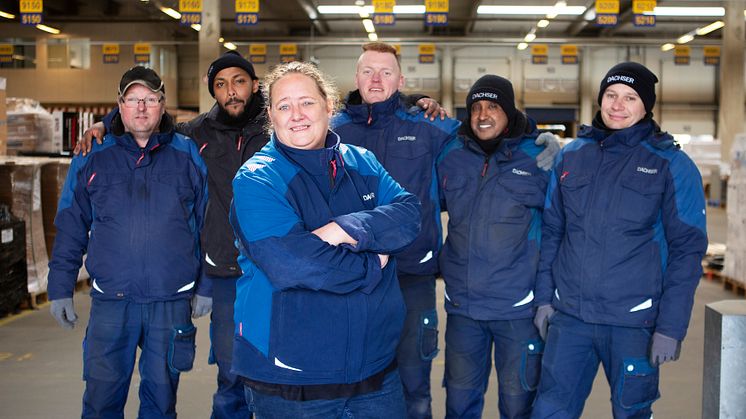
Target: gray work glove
<point x="663" y="349"/>
<point x="62" y="310"/>
<point x="545" y="159"/>
<point x="541" y="319"/>
<point x="201" y="305"/>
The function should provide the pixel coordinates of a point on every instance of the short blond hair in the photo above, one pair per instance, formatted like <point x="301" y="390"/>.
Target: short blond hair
<point x="326" y="87"/>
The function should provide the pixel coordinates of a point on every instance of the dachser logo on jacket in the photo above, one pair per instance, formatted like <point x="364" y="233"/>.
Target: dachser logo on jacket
<point x="406" y="138"/>
<point x="521" y="172"/>
<point x="646" y="170"/>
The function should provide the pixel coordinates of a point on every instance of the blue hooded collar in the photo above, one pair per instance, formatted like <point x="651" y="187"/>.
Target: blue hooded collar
<point x="645" y="130"/>
<point x="361" y="112"/>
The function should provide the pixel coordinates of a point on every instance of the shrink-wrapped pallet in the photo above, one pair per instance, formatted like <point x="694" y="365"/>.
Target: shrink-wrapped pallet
<point x="735" y="263"/>
<point x="20" y="187"/>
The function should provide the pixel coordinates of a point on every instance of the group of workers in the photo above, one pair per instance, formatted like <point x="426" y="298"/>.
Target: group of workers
<point x="318" y="245"/>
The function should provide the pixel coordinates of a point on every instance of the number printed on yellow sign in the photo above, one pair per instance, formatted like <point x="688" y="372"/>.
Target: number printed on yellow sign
<point x="642" y="6"/>
<point x="247" y="6"/>
<point x="190" y="6"/>
<point x="436" y="5"/>
<point x="607" y="6"/>
<point x="30" y="6"/>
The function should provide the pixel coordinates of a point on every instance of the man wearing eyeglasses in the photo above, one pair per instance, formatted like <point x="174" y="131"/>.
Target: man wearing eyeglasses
<point x="135" y="204"/>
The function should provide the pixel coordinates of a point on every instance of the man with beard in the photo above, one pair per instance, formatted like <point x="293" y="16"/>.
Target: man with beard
<point x="228" y="135"/>
<point x="376" y="116"/>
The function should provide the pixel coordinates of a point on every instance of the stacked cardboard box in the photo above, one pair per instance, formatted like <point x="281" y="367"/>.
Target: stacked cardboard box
<point x="735" y="263"/>
<point x="29" y="127"/>
<point x="53" y="174"/>
<point x="20" y="187"/>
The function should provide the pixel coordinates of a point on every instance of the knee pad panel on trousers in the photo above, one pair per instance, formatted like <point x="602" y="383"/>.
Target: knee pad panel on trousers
<point x="427" y="338"/>
<point x="638" y="386"/>
<point x="181" y="349"/>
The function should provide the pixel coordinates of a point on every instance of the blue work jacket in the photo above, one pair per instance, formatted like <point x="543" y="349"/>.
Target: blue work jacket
<point x="407" y="144"/>
<point x="307" y="312"/>
<point x="624" y="230"/>
<point x="143" y="208"/>
<point x="494" y="205"/>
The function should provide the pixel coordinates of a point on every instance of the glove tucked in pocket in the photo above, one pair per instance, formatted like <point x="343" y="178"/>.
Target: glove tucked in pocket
<point x="181" y="350"/>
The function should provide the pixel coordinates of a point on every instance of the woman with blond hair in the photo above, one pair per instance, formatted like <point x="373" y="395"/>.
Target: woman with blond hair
<point x="318" y="307"/>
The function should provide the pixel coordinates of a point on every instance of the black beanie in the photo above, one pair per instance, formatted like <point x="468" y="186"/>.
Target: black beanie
<point x="229" y="59"/>
<point x="495" y="89"/>
<point x="634" y="75"/>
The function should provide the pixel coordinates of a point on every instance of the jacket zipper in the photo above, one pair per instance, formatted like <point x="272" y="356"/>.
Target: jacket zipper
<point x="370" y="114"/>
<point x="332" y="172"/>
<point x="238" y="142"/>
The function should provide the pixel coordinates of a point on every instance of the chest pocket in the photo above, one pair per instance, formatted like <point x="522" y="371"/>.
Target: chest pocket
<point x="172" y="192"/>
<point x="212" y="152"/>
<point x="410" y="163"/>
<point x="527" y="191"/>
<point x="109" y="193"/>
<point x="640" y="199"/>
<point x="575" y="191"/>
<point x="458" y="199"/>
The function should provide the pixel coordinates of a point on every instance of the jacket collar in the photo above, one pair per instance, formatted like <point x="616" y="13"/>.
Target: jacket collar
<point x="163" y="136"/>
<point x="313" y="161"/>
<point x="645" y="130"/>
<point x="369" y="114"/>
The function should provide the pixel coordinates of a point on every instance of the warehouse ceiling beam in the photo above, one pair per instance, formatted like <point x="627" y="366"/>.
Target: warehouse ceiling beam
<point x="321" y="27"/>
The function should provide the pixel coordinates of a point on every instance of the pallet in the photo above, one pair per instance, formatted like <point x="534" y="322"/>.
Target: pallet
<point x="729" y="284"/>
<point x="737" y="287"/>
<point x="34" y="300"/>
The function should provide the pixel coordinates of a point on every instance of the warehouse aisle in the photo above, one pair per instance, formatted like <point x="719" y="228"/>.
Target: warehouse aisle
<point x="40" y="365"/>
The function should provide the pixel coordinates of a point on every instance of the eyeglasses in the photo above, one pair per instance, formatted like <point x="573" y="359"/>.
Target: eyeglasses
<point x="150" y="101"/>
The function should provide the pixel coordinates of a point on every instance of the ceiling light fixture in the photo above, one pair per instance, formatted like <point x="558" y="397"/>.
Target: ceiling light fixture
<point x="221" y="39"/>
<point x="7" y="15"/>
<point x="710" y="28"/>
<point x="529" y="37"/>
<point x="530" y="10"/>
<point x="230" y="45"/>
<point x="590" y="14"/>
<point x="49" y="29"/>
<point x="667" y="47"/>
<point x="356" y="10"/>
<point x="557" y="7"/>
<point x="687" y="11"/>
<point x="368" y="25"/>
<point x="372" y="37"/>
<point x="522" y="46"/>
<point x="687" y="37"/>
<point x="543" y="23"/>
<point x="196" y="26"/>
<point x="171" y="12"/>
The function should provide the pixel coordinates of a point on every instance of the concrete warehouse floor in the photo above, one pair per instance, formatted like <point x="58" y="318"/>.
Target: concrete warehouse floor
<point x="40" y="364"/>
